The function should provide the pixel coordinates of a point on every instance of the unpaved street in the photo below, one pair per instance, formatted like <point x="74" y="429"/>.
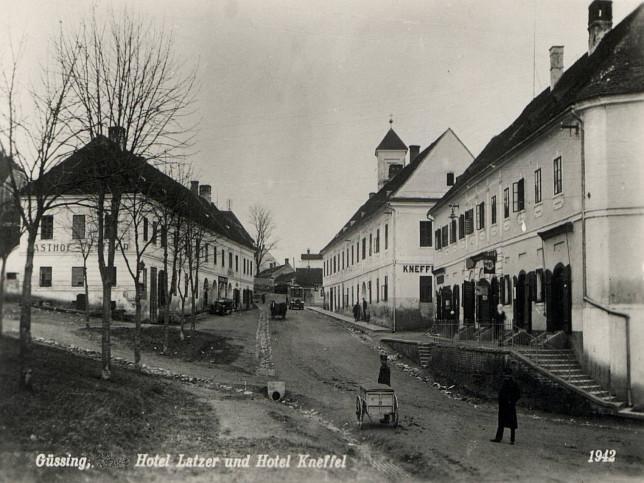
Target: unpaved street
<point x="440" y="436"/>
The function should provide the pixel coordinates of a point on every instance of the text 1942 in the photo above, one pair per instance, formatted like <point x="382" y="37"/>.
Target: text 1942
<point x="603" y="456"/>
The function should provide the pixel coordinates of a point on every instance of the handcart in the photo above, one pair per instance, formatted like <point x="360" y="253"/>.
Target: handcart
<point x="377" y="401"/>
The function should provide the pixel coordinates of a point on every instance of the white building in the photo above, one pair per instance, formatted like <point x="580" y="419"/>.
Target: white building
<point x="384" y="253"/>
<point x="549" y="218"/>
<point x="221" y="244"/>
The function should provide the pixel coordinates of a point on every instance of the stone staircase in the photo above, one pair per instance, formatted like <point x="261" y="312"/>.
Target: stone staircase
<point x="563" y="364"/>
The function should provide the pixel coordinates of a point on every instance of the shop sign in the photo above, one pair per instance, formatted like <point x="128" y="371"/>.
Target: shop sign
<point x="417" y="268"/>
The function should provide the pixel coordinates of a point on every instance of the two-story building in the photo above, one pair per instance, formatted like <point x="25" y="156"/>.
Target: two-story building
<point x="220" y="246"/>
<point x="549" y="219"/>
<point x="384" y="255"/>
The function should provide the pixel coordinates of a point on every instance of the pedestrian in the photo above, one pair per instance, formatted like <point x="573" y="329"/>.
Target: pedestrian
<point x="499" y="323"/>
<point x="509" y="394"/>
<point x="365" y="313"/>
<point x="356" y="311"/>
<point x="384" y="377"/>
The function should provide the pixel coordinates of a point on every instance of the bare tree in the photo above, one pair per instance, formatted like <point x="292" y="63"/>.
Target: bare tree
<point x="42" y="139"/>
<point x="126" y="80"/>
<point x="261" y="221"/>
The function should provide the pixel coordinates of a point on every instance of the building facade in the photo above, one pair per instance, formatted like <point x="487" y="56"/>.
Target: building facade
<point x="384" y="255"/>
<point x="220" y="246"/>
<point x="549" y="219"/>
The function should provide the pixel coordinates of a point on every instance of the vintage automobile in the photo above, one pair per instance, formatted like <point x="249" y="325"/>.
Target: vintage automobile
<point x="296" y="304"/>
<point x="278" y="309"/>
<point x="222" y="307"/>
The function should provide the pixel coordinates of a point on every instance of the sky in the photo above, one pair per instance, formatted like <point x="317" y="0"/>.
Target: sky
<point x="294" y="96"/>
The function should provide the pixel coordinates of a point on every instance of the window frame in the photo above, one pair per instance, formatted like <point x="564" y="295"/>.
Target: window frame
<point x="76" y="278"/>
<point x="557" y="166"/>
<point x="425" y="289"/>
<point x="47" y="227"/>
<point x="480" y="216"/>
<point x="78" y="229"/>
<point x="425" y="228"/>
<point x="46" y="282"/>
<point x="518" y="196"/>
<point x="538" y="194"/>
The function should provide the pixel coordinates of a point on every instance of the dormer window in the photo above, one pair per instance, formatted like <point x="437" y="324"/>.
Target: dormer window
<point x="450" y="179"/>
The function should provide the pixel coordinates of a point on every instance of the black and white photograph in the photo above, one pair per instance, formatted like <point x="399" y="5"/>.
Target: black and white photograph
<point x="339" y="241"/>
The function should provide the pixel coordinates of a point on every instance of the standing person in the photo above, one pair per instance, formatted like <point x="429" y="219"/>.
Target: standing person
<point x="365" y="314"/>
<point x="499" y="323"/>
<point x="384" y="376"/>
<point x="356" y="311"/>
<point x="509" y="394"/>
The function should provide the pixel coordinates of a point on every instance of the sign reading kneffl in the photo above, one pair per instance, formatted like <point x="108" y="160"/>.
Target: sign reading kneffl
<point x="417" y="268"/>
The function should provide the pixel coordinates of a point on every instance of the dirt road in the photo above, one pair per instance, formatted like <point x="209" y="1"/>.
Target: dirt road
<point x="441" y="437"/>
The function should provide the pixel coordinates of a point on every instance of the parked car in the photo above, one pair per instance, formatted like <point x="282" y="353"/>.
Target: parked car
<point x="296" y="304"/>
<point x="222" y="307"/>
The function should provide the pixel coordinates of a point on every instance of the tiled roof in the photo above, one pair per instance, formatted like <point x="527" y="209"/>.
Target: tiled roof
<point x="615" y="67"/>
<point x="386" y="193"/>
<point x="391" y="142"/>
<point x="101" y="161"/>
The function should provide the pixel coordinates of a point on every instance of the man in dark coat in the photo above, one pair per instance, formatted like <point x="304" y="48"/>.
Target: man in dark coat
<point x="509" y="394"/>
<point x="499" y="322"/>
<point x="356" y="311"/>
<point x="384" y="377"/>
<point x="365" y="314"/>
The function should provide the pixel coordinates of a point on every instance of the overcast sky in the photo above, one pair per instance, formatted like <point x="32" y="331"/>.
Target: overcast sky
<point x="295" y="95"/>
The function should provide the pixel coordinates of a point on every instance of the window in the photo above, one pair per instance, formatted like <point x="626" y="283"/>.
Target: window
<point x="461" y="227"/>
<point x="342" y="259"/>
<point x="450" y="179"/>
<point x="223" y="258"/>
<point x="385" y="288"/>
<point x="347" y="258"/>
<point x="506" y="203"/>
<point x="480" y="216"/>
<point x="335" y="263"/>
<point x="558" y="177"/>
<point x="370" y="244"/>
<point x="352" y="256"/>
<point x="45" y="276"/>
<point x="164" y="237"/>
<point x="437" y="239"/>
<point x="469" y="221"/>
<point x="444" y="236"/>
<point x="155" y="228"/>
<point x="205" y="255"/>
<point x="493" y="209"/>
<point x="364" y="248"/>
<point x="537" y="186"/>
<point x="107" y="227"/>
<point x="369" y="288"/>
<point x="78" y="227"/>
<point x="77" y="277"/>
<point x="507" y="284"/>
<point x="144" y="288"/>
<point x="145" y="229"/>
<point x="47" y="230"/>
<point x="214" y="255"/>
<point x="377" y="290"/>
<point x="452" y="231"/>
<point x="378" y="240"/>
<point x="358" y="251"/>
<point x="425" y="233"/>
<point x="237" y="263"/>
<point x="517" y="196"/>
<point x="386" y="236"/>
<point x="425" y="288"/>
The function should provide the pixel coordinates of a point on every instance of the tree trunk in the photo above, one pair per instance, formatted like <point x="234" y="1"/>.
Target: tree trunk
<point x="183" y="316"/>
<point x="137" y="324"/>
<point x="3" y="271"/>
<point x="25" y="314"/>
<point x="86" y="294"/>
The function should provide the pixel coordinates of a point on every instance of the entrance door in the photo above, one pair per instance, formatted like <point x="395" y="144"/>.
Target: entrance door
<point x="483" y="303"/>
<point x="519" y="300"/>
<point x="456" y="302"/>
<point x="559" y="295"/>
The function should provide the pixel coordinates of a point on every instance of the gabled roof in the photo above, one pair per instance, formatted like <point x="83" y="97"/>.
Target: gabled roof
<point x="391" y="142"/>
<point x="615" y="67"/>
<point x="386" y="193"/>
<point x="101" y="163"/>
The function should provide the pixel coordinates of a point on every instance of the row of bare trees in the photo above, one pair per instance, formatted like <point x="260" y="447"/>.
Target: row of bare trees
<point x="118" y="72"/>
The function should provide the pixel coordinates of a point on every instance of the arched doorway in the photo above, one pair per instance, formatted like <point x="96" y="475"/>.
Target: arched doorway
<point x="468" y="303"/>
<point x="559" y="315"/>
<point x="446" y="303"/>
<point x="206" y="286"/>
<point x="522" y="303"/>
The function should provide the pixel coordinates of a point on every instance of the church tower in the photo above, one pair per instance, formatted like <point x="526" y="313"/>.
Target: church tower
<point x="600" y="21"/>
<point x="391" y="154"/>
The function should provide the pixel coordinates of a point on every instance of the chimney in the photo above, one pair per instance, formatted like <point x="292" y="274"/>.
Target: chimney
<point x="205" y="191"/>
<point x="413" y="151"/>
<point x="600" y="21"/>
<point x="194" y="187"/>
<point x="286" y="261"/>
<point x="116" y="134"/>
<point x="372" y="194"/>
<point x="556" y="64"/>
<point x="308" y="251"/>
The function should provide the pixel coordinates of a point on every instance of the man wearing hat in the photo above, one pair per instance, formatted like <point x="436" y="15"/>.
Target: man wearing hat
<point x="384" y="377"/>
